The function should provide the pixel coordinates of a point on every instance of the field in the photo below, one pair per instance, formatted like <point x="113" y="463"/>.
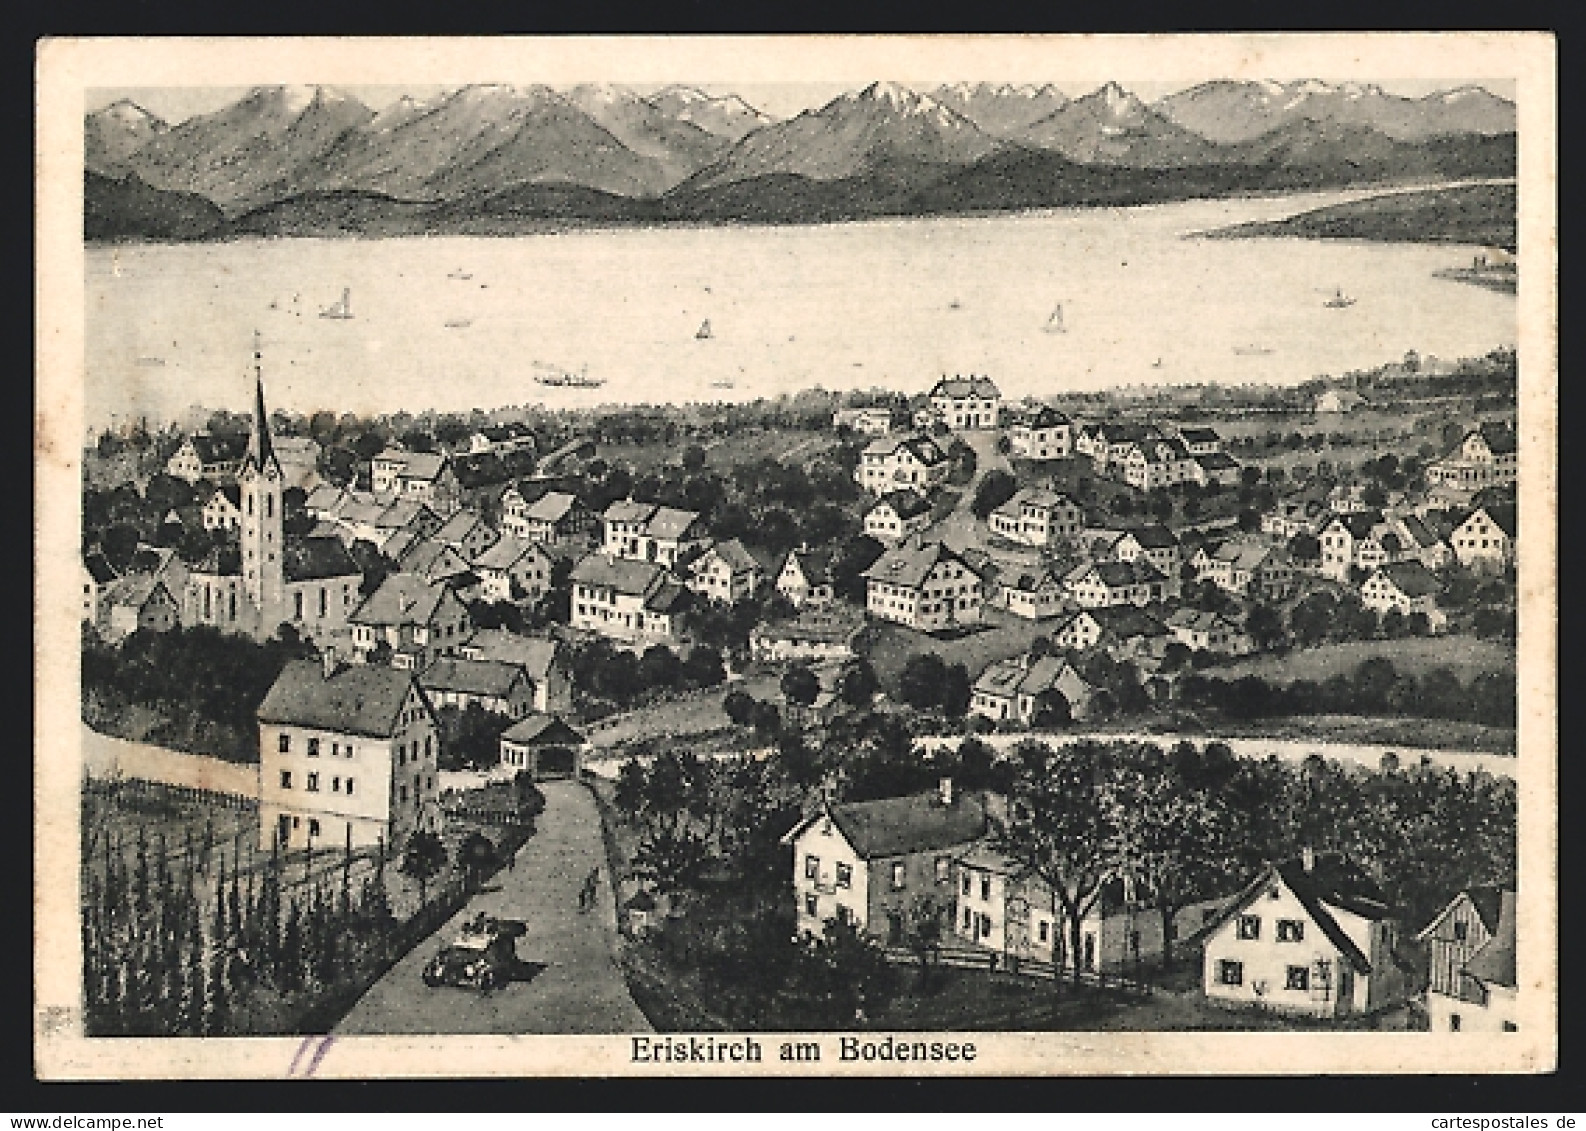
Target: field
<point x="1466" y="655"/>
<point x="1439" y="734"/>
<point x="722" y="455"/>
<point x="695" y="714"/>
<point x="1004" y="635"/>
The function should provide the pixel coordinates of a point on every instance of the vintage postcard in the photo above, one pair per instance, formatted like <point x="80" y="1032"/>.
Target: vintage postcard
<point x="852" y="555"/>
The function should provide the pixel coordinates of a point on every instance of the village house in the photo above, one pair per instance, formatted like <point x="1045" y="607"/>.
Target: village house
<point x="347" y="755"/>
<point x="482" y="478"/>
<point x="1032" y="691"/>
<point x="1299" y="512"/>
<point x="873" y="421"/>
<point x="1035" y="516"/>
<point x="437" y="562"/>
<point x="898" y="515"/>
<point x="1486" y="456"/>
<point x="97" y="574"/>
<point x="513" y="570"/>
<point x="542" y="746"/>
<point x="556" y="518"/>
<point x="137" y="602"/>
<point x="1310" y="935"/>
<point x="1154" y="543"/>
<point x="1095" y="585"/>
<point x="1247" y="568"/>
<point x="417" y="621"/>
<point x="207" y="456"/>
<point x="871" y="863"/>
<point x="466" y="533"/>
<point x="1408" y="587"/>
<point x="1424" y="541"/>
<point x="512" y="436"/>
<point x="966" y="403"/>
<point x="1485" y="540"/>
<point x="1109" y="442"/>
<point x="542" y="660"/>
<point x="1214" y="467"/>
<point x="645" y="532"/>
<point x="806" y="578"/>
<point x="223" y="511"/>
<point x="1042" y="434"/>
<point x="1359" y="539"/>
<point x="727" y="572"/>
<point x="1473" y="987"/>
<point x="1149" y="464"/>
<point x="1034" y="595"/>
<point x="905" y="460"/>
<point x="1202" y="631"/>
<point x="923" y="587"/>
<point x="299" y="456"/>
<point x="630" y="601"/>
<point x="819" y="633"/>
<point x="1199" y="440"/>
<point x="1450" y="940"/>
<point x="1005" y="907"/>
<point x="1337" y="401"/>
<point x="1124" y="631"/>
<point x="501" y="688"/>
<point x="426" y="476"/>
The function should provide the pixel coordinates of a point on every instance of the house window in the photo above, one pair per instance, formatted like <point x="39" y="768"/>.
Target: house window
<point x="402" y="793"/>
<point x="335" y="785"/>
<point x="284" y="744"/>
<point x="985" y="889"/>
<point x="313" y="783"/>
<point x="966" y="918"/>
<point x="811" y="906"/>
<point x="1510" y="1027"/>
<point x="1298" y="978"/>
<point x="313" y="826"/>
<point x="1231" y="973"/>
<point x="812" y="867"/>
<point x="313" y="748"/>
<point x="845" y="876"/>
<point x="1461" y="932"/>
<point x="1250" y="926"/>
<point x="286" y="779"/>
<point x="1045" y="931"/>
<point x="966" y="883"/>
<point x="943" y="864"/>
<point x="1291" y="930"/>
<point x="349" y="787"/>
<point x="897" y="876"/>
<point x="297" y="605"/>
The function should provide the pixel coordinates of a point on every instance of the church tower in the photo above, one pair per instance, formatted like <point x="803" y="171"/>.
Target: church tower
<point x="263" y="541"/>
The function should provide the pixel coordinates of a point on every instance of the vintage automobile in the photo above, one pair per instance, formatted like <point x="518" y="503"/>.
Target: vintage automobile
<point x="482" y="956"/>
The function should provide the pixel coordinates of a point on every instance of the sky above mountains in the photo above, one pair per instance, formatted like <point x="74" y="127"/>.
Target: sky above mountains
<point x="780" y="100"/>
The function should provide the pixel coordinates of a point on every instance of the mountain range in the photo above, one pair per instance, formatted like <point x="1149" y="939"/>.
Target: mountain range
<point x="489" y="158"/>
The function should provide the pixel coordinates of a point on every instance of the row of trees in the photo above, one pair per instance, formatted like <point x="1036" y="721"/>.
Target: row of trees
<point x="604" y="675"/>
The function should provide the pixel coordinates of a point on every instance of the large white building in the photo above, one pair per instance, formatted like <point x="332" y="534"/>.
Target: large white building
<point x="911" y="460"/>
<point x="1042" y="434"/>
<point x="966" y="403"/>
<point x="924" y="587"/>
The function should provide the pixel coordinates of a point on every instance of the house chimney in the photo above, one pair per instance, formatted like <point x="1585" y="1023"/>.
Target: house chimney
<point x="944" y="790"/>
<point x="327" y="659"/>
<point x="1308" y="858"/>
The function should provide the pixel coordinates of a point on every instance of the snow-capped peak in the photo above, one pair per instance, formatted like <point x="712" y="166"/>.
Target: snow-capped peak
<point x="684" y="94"/>
<point x="128" y="111"/>
<point x="1115" y="98"/>
<point x="897" y="96"/>
<point x="296" y="99"/>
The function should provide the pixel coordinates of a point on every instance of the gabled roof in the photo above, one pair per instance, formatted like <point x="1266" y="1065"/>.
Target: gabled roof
<point x="667" y="596"/>
<point x="965" y="387"/>
<point x="1153" y="537"/>
<point x="1044" y="417"/>
<point x="670" y="522"/>
<point x="895" y="826"/>
<point x="1499" y="438"/>
<point x="1503" y="515"/>
<point x="324" y="497"/>
<point x="356" y="699"/>
<point x="924" y="449"/>
<point x="506" y="552"/>
<point x="1001" y="678"/>
<point x="542" y="730"/>
<point x="213" y="449"/>
<point x="551" y="506"/>
<point x="400" y="514"/>
<point x="1244" y="555"/>
<point x="1031" y="582"/>
<point x="534" y="654"/>
<point x="1117" y="574"/>
<point x="422" y="465"/>
<point x="1199" y="436"/>
<point x="628" y="510"/>
<point x="1360" y="524"/>
<point x="1495" y="962"/>
<point x="1487" y="900"/>
<point x="909" y="566"/>
<point x="737" y="558"/>
<point x="470" y="677"/>
<point x="1043" y="497"/>
<point x="622" y="574"/>
<point x="1333" y="880"/>
<point x="395" y="547"/>
<point x="319" y="559"/>
<point x="1126" y="622"/>
<point x="905" y="503"/>
<point x="135" y="590"/>
<point x="432" y="560"/>
<point x="99" y="568"/>
<point x="1417" y="532"/>
<point x="1410" y="578"/>
<point x="815" y="565"/>
<point x="458" y="528"/>
<point x="1216" y="461"/>
<point x="230" y="492"/>
<point x="403" y="598"/>
<point x="1044" y="674"/>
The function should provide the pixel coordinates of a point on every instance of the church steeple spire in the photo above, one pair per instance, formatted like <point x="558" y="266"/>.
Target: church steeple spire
<point x="261" y="451"/>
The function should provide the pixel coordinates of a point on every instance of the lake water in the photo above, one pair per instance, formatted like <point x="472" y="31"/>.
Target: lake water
<point x="894" y="303"/>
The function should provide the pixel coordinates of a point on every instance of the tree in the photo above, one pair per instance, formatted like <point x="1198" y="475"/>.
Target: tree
<point x="693" y="458"/>
<point x="739" y="706"/>
<point x="1264" y="625"/>
<point x="800" y="685"/>
<point x="1305" y="547"/>
<point x="704" y="667"/>
<point x="923" y="681"/>
<point x="669" y="858"/>
<point x="995" y="488"/>
<point x="858" y="684"/>
<point x="1060" y="827"/>
<point x="423" y="859"/>
<point x="659" y="667"/>
<point x="476" y="858"/>
<point x="924" y="933"/>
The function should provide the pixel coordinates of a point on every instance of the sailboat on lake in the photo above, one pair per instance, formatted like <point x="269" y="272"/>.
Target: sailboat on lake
<point x="1339" y="300"/>
<point x="1054" y="324"/>
<point x="342" y="309"/>
<point x="703" y="333"/>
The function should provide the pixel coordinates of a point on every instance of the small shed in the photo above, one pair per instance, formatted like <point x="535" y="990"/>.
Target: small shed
<point x="543" y="745"/>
